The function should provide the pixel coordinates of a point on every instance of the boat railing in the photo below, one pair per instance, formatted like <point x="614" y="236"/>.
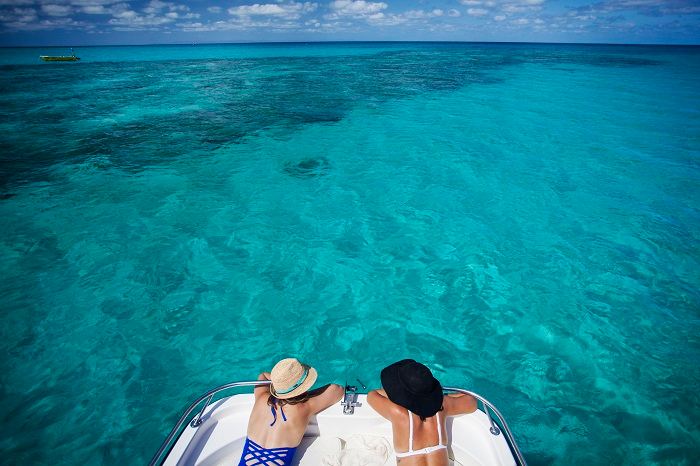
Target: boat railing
<point x="197" y="420"/>
<point x="207" y="398"/>
<point x="491" y="411"/>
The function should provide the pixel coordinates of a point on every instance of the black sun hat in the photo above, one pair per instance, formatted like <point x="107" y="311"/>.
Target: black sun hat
<point x="411" y="384"/>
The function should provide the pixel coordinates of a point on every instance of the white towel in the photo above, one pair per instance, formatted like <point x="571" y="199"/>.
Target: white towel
<point x="360" y="450"/>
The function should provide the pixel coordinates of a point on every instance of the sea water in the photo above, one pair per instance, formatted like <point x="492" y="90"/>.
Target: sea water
<point x="524" y="219"/>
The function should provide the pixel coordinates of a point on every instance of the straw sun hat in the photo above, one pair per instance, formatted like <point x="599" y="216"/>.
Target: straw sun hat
<point x="291" y="378"/>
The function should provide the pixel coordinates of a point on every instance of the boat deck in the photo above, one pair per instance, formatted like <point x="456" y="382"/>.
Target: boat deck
<point x="332" y="438"/>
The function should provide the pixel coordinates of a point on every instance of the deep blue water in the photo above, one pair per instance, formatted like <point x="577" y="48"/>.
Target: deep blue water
<point x="522" y="218"/>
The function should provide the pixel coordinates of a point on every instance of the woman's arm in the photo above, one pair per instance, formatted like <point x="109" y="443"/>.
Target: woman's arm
<point x="459" y="403"/>
<point x="378" y="400"/>
<point x="262" y="389"/>
<point x="330" y="395"/>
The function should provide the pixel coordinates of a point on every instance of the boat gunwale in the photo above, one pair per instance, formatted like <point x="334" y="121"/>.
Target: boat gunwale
<point x="175" y="433"/>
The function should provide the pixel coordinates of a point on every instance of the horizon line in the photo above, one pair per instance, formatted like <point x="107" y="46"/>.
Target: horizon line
<point x="303" y="42"/>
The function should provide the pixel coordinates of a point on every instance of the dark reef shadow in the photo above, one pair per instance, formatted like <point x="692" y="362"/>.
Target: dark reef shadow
<point x="308" y="168"/>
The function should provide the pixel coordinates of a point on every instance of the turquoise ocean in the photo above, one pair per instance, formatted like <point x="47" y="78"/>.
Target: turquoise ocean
<point x="524" y="219"/>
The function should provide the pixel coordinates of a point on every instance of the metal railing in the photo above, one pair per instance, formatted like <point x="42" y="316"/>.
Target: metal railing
<point x="494" y="429"/>
<point x="197" y="420"/>
<point x="167" y="445"/>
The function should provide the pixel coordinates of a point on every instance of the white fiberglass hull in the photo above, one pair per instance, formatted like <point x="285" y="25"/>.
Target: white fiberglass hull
<point x="331" y="437"/>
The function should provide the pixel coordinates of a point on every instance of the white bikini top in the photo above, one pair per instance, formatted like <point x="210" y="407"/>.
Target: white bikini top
<point x="422" y="451"/>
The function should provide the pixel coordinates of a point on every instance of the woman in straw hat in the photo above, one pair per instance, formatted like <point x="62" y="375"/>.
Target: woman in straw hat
<point x="282" y="411"/>
<point x="413" y="401"/>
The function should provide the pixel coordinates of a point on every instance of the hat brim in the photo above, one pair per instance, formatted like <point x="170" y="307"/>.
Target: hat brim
<point x="303" y="388"/>
<point x="424" y="405"/>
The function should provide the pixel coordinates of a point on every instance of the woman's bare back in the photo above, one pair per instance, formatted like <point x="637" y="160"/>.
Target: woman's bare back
<point x="282" y="433"/>
<point x="289" y="432"/>
<point x="425" y="434"/>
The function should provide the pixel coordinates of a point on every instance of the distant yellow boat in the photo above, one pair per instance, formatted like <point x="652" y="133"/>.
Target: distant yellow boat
<point x="70" y="57"/>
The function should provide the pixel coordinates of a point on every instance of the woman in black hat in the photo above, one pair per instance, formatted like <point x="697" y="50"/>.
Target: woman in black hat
<point x="413" y="401"/>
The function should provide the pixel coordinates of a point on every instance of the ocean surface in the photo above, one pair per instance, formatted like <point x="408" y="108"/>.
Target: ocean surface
<point x="525" y="219"/>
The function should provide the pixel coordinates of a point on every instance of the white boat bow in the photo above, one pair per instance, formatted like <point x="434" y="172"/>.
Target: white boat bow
<point x="350" y="429"/>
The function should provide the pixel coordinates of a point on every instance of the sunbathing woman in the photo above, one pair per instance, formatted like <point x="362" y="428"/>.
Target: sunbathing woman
<point x="413" y="401"/>
<point x="282" y="411"/>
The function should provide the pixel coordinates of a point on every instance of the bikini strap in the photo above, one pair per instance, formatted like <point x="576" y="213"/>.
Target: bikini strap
<point x="439" y="428"/>
<point x="274" y="413"/>
<point x="410" y="432"/>
<point x="274" y="416"/>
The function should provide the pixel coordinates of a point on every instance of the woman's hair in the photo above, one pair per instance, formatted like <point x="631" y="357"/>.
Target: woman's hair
<point x="442" y="408"/>
<point x="295" y="400"/>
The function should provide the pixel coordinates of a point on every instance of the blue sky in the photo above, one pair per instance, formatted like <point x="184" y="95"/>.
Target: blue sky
<point x="98" y="22"/>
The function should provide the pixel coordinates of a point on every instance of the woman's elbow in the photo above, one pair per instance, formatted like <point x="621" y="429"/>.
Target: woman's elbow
<point x="372" y="396"/>
<point x="472" y="405"/>
<point x="338" y="391"/>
